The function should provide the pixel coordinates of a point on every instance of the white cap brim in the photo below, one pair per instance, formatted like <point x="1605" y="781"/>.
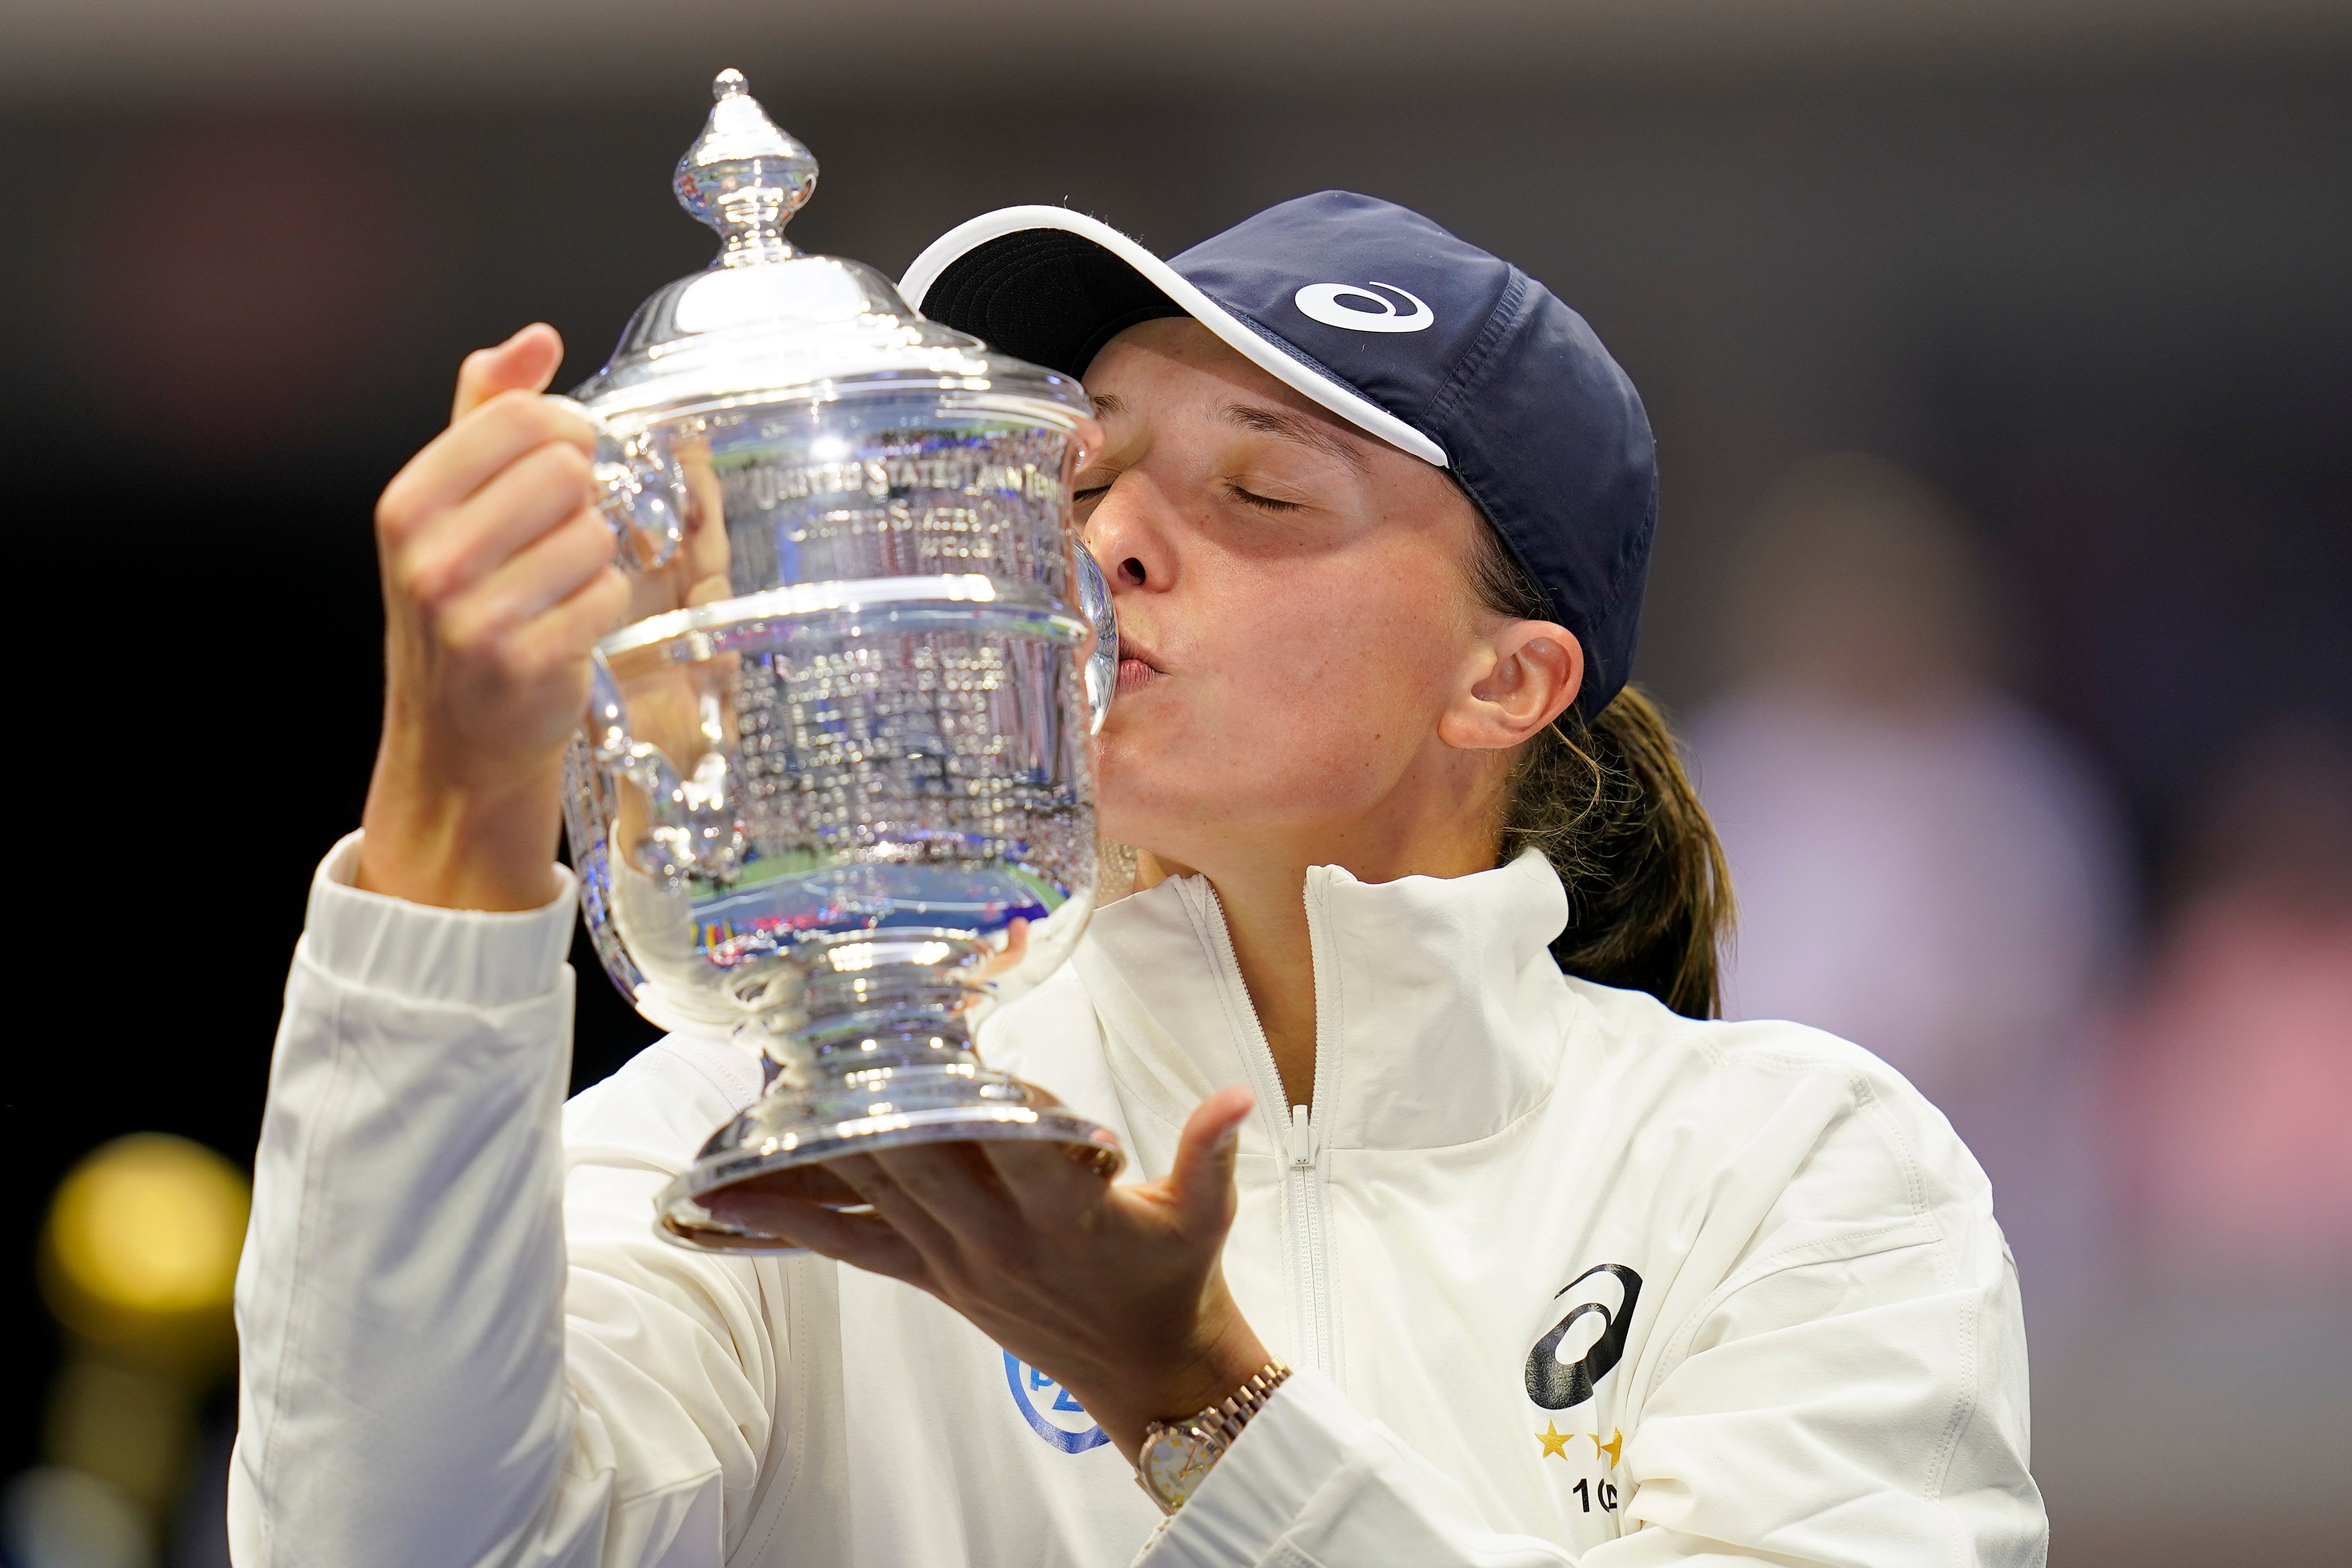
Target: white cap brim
<point x="1236" y="334"/>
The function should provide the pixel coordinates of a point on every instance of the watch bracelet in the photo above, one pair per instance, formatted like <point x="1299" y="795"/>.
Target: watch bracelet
<point x="1235" y="1412"/>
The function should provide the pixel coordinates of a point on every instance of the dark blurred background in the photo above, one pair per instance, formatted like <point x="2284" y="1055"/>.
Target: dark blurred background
<point x="2001" y="359"/>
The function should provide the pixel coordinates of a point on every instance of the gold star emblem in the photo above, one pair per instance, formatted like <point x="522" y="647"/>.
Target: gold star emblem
<point x="1616" y="1441"/>
<point x="1554" y="1441"/>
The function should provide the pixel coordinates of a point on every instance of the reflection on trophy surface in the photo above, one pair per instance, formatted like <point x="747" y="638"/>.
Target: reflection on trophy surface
<point x="835" y="779"/>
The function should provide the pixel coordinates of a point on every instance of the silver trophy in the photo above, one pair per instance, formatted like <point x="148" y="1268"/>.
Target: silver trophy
<point x="833" y="789"/>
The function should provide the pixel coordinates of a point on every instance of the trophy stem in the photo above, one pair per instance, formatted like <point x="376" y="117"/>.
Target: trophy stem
<point x="884" y="1019"/>
<point x="870" y="1054"/>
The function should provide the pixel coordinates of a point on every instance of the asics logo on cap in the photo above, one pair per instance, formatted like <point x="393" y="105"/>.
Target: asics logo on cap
<point x="1325" y="302"/>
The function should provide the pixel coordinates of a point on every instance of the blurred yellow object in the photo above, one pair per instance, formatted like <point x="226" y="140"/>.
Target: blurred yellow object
<point x="140" y="1250"/>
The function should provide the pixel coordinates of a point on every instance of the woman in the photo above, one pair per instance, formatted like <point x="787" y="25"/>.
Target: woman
<point x="1453" y="1234"/>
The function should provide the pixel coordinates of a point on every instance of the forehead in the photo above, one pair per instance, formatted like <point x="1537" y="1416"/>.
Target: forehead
<point x="1160" y="368"/>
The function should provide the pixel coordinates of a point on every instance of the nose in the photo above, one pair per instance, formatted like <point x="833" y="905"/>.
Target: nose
<point x="1130" y="540"/>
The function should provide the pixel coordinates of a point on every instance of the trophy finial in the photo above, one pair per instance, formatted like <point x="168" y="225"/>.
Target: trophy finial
<point x="744" y="177"/>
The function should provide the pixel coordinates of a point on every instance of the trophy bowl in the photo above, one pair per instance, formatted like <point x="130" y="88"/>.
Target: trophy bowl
<point x="833" y="788"/>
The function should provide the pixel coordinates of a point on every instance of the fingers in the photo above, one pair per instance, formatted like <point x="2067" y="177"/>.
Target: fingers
<point x="859" y="1241"/>
<point x="813" y="1183"/>
<point x="524" y="362"/>
<point x="1049" y="1187"/>
<point x="940" y="1197"/>
<point x="456" y="548"/>
<point x="706" y="518"/>
<point x="470" y="453"/>
<point x="564" y="633"/>
<point x="544" y="573"/>
<point x="1199" y="1184"/>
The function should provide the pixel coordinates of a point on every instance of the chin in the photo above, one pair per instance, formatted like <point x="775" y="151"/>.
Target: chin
<point x="1178" y="790"/>
<point x="1153" y="823"/>
<point x="1118" y="819"/>
<point x="1195" y="827"/>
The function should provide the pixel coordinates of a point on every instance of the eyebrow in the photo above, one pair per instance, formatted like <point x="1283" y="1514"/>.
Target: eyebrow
<point x="1107" y="406"/>
<point x="1293" y="427"/>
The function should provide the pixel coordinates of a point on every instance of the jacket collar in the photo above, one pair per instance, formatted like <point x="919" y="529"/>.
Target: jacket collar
<point x="1440" y="1016"/>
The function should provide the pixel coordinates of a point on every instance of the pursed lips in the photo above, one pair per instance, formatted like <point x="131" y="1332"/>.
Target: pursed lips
<point x="1137" y="664"/>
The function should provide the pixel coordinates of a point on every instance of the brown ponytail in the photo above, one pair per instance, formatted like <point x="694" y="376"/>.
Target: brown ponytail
<point x="1608" y="804"/>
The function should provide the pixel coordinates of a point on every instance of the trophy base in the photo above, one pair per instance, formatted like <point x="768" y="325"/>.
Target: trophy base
<point x="791" y="1126"/>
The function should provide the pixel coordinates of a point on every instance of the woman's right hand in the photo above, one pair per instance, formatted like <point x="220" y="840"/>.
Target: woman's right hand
<point x="498" y="580"/>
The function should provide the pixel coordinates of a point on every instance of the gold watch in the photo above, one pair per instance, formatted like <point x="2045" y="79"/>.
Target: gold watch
<point x="1176" y="1455"/>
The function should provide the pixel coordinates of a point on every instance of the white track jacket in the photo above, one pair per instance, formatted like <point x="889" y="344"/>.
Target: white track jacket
<point x="1567" y="1279"/>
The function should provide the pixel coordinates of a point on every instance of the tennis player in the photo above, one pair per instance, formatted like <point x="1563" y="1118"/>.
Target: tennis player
<point x="1456" y="1233"/>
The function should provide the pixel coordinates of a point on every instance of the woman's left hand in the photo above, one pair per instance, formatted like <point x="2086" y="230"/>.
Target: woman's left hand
<point x="1115" y="1292"/>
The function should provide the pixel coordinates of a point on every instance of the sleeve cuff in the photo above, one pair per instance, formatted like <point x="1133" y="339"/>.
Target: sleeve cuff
<point x="1255" y="1493"/>
<point x="468" y="956"/>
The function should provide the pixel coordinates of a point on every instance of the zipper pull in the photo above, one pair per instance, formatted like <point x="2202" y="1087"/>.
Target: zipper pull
<point x="1302" y="1138"/>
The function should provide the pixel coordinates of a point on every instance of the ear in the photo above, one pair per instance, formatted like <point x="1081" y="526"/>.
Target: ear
<point x="1515" y="682"/>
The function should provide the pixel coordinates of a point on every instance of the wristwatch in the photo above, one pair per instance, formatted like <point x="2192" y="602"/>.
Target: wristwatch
<point x="1176" y="1455"/>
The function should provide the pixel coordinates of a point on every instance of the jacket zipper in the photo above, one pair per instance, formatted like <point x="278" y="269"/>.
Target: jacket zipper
<point x="1309" y="1257"/>
<point x="1299" y="1139"/>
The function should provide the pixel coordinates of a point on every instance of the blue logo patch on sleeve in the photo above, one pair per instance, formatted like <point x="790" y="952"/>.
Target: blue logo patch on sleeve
<point x="1050" y="1411"/>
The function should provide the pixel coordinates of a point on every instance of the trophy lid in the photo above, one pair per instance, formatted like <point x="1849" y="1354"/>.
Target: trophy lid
<point x="765" y="319"/>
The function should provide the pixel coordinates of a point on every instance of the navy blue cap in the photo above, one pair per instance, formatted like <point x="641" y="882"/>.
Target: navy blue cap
<point x="1387" y="320"/>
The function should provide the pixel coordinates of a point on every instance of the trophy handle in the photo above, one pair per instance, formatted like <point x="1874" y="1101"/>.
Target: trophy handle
<point x="1102" y="664"/>
<point x="642" y="490"/>
<point x="693" y="827"/>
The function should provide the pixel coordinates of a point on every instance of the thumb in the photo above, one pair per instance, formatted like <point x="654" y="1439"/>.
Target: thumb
<point x="1201" y="1182"/>
<point x="526" y="361"/>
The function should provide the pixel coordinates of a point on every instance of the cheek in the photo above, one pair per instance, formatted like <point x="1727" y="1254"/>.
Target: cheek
<point x="1304" y="708"/>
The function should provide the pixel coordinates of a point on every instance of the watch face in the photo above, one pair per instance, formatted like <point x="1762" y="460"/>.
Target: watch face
<point x="1172" y="1464"/>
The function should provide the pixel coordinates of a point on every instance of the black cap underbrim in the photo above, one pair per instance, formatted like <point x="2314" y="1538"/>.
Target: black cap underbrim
<point x="1046" y="296"/>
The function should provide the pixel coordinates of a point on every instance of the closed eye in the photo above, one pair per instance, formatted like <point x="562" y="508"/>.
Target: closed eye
<point x="1263" y="503"/>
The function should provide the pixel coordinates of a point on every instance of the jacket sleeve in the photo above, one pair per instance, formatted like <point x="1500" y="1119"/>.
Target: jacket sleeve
<point x="1855" y="1398"/>
<point x="1314" y="1483"/>
<point x="419" y="1385"/>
